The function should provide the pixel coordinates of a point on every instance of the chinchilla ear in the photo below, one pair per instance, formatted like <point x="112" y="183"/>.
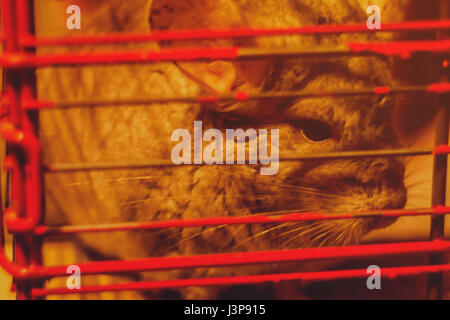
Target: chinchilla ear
<point x="193" y="14"/>
<point x="217" y="76"/>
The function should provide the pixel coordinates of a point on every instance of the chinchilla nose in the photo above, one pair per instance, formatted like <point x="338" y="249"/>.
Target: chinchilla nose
<point x="368" y="184"/>
<point x="385" y="176"/>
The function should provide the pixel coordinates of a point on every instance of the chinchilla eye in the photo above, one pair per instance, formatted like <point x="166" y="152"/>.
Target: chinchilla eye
<point x="316" y="131"/>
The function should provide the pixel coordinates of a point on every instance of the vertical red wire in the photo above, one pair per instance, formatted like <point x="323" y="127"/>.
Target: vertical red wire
<point x="20" y="86"/>
<point x="25" y="12"/>
<point x="12" y="112"/>
<point x="439" y="184"/>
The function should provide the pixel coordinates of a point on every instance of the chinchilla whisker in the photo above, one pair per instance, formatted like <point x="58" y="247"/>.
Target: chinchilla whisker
<point x="195" y="235"/>
<point x="305" y="229"/>
<point x="302" y="227"/>
<point x="262" y="233"/>
<point x="328" y="236"/>
<point x="416" y="183"/>
<point x="77" y="183"/>
<point x="340" y="236"/>
<point x="297" y="187"/>
<point x="295" y="237"/>
<point x="316" y="193"/>
<point x="142" y="201"/>
<point x="314" y="238"/>
<point x="309" y="190"/>
<point x="275" y="213"/>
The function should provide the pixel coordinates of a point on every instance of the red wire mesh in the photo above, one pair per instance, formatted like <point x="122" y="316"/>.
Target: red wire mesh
<point x="24" y="216"/>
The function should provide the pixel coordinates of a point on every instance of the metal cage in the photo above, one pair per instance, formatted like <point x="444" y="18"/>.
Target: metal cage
<point x="24" y="215"/>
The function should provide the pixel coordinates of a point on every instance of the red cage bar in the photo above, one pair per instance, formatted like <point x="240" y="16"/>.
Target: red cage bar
<point x="236" y="33"/>
<point x="305" y="277"/>
<point x="25" y="212"/>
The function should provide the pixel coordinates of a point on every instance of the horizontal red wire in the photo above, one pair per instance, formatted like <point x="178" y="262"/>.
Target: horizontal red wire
<point x="249" y="219"/>
<point x="438" y="88"/>
<point x="30" y="61"/>
<point x="402" y="49"/>
<point x="158" y="163"/>
<point x="390" y="273"/>
<point x="227" y="259"/>
<point x="234" y="33"/>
